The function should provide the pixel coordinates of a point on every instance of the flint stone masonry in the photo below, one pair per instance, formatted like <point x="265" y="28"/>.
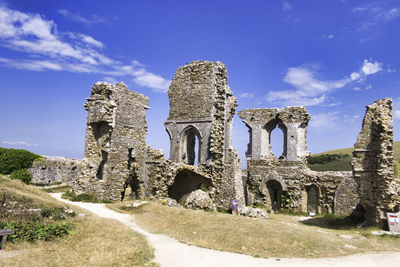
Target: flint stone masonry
<point x="115" y="142"/>
<point x="202" y="105"/>
<point x="292" y="121"/>
<point x="50" y="170"/>
<point x="372" y="164"/>
<point x="286" y="182"/>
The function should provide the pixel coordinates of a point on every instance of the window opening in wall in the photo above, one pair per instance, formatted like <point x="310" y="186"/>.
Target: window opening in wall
<point x="277" y="142"/>
<point x="104" y="158"/>
<point x="275" y="194"/>
<point x="190" y="147"/>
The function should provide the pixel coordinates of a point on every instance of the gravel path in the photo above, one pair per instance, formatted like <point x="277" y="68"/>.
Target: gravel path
<point x="170" y="252"/>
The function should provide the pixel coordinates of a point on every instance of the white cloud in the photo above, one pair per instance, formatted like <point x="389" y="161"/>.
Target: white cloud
<point x="88" y="21"/>
<point x="328" y="36"/>
<point x="286" y="6"/>
<point x="75" y="52"/>
<point x="325" y="121"/>
<point x="110" y="79"/>
<point x="246" y="95"/>
<point x="369" y="68"/>
<point x="311" y="90"/>
<point x="18" y="143"/>
<point x="355" y="76"/>
<point x="374" y="14"/>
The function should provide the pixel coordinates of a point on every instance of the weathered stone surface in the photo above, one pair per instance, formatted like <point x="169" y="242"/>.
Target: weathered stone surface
<point x="51" y="170"/>
<point x="115" y="142"/>
<point x="199" y="200"/>
<point x="292" y="121"/>
<point x="252" y="212"/>
<point x="285" y="182"/>
<point x="372" y="164"/>
<point x="346" y="197"/>
<point x="202" y="105"/>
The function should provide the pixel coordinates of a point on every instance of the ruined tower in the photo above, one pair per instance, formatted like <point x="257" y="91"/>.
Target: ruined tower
<point x="372" y="164"/>
<point x="202" y="107"/>
<point x="114" y="142"/>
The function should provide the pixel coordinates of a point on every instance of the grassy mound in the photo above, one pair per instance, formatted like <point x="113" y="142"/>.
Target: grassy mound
<point x="88" y="241"/>
<point x="279" y="236"/>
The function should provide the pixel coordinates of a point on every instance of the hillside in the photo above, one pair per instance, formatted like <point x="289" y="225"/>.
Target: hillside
<point x="343" y="164"/>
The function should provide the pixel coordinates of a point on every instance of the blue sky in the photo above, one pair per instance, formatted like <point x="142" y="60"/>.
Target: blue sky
<point x="333" y="56"/>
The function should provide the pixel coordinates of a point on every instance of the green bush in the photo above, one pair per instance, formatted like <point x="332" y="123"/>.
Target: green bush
<point x="22" y="174"/>
<point x="83" y="197"/>
<point x="15" y="159"/>
<point x="325" y="158"/>
<point x="36" y="231"/>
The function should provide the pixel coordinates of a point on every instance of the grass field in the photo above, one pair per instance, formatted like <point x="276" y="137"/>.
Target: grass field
<point x="278" y="236"/>
<point x="344" y="163"/>
<point x="93" y="241"/>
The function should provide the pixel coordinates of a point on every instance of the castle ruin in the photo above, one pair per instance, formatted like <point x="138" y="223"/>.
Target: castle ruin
<point x="202" y="156"/>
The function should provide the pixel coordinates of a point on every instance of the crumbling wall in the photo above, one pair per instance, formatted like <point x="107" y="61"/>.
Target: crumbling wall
<point x="115" y="142"/>
<point x="292" y="121"/>
<point x="373" y="164"/>
<point x="200" y="99"/>
<point x="51" y="170"/>
<point x="285" y="181"/>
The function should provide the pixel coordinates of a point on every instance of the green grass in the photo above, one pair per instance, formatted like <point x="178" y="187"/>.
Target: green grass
<point x="88" y="242"/>
<point x="344" y="163"/>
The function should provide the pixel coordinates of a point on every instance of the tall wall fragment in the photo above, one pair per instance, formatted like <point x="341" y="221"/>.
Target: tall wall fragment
<point x="115" y="141"/>
<point x="373" y="164"/>
<point x="202" y="105"/>
<point x="285" y="181"/>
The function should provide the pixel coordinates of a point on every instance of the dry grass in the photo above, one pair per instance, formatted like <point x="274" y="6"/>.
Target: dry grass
<point x="279" y="236"/>
<point x="94" y="241"/>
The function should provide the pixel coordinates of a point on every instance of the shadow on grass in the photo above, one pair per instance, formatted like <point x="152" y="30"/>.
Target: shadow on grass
<point x="338" y="222"/>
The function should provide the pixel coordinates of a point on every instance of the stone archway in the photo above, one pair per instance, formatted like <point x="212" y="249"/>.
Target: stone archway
<point x="186" y="182"/>
<point x="312" y="199"/>
<point x="190" y="146"/>
<point x="275" y="194"/>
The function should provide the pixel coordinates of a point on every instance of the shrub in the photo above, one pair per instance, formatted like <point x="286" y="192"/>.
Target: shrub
<point x="36" y="231"/>
<point x="15" y="159"/>
<point x="22" y="174"/>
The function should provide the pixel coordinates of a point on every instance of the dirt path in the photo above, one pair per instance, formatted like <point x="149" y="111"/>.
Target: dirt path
<point x="170" y="252"/>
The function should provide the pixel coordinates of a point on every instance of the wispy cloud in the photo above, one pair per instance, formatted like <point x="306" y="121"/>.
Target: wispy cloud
<point x="328" y="36"/>
<point x="311" y="90"/>
<point x="88" y="21"/>
<point x="286" y="6"/>
<point x="46" y="49"/>
<point x="325" y="121"/>
<point x="375" y="13"/>
<point x="18" y="143"/>
<point x="246" y="95"/>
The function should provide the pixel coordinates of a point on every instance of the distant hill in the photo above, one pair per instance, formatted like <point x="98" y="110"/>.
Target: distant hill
<point x="342" y="163"/>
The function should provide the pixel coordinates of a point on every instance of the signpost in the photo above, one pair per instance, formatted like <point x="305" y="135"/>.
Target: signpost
<point x="394" y="223"/>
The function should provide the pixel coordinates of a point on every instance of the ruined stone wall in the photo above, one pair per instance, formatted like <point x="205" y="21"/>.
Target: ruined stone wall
<point x="373" y="164"/>
<point x="51" y="170"/>
<point x="286" y="182"/>
<point x="295" y="182"/>
<point x="115" y="141"/>
<point x="292" y="121"/>
<point x="201" y="99"/>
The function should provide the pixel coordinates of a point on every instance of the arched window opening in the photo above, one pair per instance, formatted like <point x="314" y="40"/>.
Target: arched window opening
<point x="275" y="194"/>
<point x="312" y="200"/>
<point x="277" y="142"/>
<point x="190" y="147"/>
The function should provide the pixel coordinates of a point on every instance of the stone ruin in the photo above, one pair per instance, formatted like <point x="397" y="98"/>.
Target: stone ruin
<point x="204" y="169"/>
